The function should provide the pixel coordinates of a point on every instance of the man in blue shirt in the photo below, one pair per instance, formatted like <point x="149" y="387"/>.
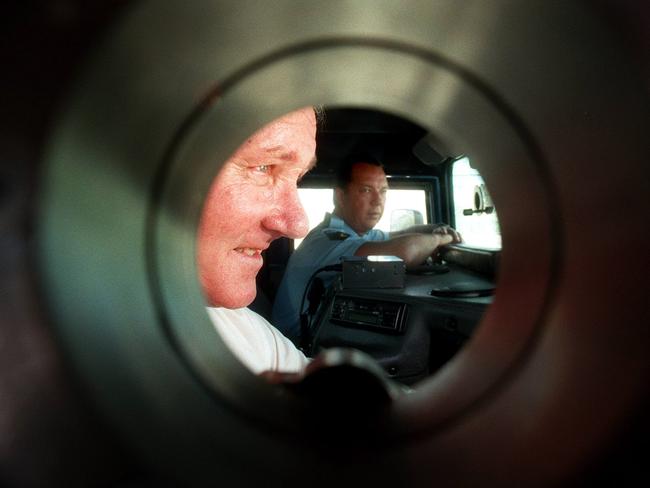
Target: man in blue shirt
<point x="359" y="198"/>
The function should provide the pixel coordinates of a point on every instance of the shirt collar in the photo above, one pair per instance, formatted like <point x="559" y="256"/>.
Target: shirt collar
<point x="338" y="223"/>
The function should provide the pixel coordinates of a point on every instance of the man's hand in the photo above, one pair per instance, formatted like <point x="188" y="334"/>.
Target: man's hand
<point x="415" y="246"/>
<point x="444" y="229"/>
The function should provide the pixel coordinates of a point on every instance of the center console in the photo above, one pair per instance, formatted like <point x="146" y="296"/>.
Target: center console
<point x="411" y="331"/>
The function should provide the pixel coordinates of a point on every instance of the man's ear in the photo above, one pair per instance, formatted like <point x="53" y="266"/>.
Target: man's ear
<point x="338" y="197"/>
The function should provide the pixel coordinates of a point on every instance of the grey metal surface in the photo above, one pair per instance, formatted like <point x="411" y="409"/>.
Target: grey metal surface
<point x="544" y="96"/>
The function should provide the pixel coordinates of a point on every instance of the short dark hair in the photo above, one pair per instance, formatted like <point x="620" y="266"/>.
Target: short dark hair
<point x="344" y="172"/>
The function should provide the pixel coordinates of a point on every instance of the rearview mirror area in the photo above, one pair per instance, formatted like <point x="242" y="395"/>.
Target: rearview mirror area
<point x="475" y="215"/>
<point x="402" y="218"/>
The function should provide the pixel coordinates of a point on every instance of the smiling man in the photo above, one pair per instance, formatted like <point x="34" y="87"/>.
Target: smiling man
<point x="359" y="198"/>
<point x="252" y="201"/>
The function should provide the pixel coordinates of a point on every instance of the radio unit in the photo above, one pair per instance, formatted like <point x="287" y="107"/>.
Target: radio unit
<point x="373" y="272"/>
<point x="364" y="313"/>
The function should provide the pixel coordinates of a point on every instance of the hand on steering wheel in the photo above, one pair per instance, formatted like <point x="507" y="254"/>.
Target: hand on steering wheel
<point x="444" y="229"/>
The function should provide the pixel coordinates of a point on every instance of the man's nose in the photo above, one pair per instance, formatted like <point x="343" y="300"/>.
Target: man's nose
<point x="377" y="198"/>
<point x="288" y="217"/>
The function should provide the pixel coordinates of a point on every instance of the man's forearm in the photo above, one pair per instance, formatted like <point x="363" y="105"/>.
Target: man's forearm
<point x="415" y="229"/>
<point x="429" y="229"/>
<point x="414" y="249"/>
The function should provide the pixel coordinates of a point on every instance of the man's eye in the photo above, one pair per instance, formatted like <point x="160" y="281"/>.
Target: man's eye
<point x="263" y="168"/>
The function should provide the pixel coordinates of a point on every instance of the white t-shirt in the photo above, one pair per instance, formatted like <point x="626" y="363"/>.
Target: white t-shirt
<point x="255" y="342"/>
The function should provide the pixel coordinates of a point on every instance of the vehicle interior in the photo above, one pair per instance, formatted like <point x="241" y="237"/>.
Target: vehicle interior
<point x="519" y="358"/>
<point x="414" y="326"/>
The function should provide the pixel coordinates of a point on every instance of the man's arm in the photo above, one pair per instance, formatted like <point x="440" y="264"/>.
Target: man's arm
<point x="428" y="229"/>
<point x="415" y="229"/>
<point x="414" y="249"/>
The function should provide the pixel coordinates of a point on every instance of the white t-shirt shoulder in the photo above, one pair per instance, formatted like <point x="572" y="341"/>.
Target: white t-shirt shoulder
<point x="255" y="342"/>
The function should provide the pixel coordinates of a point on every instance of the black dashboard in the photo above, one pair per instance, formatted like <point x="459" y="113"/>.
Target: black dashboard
<point x="410" y="331"/>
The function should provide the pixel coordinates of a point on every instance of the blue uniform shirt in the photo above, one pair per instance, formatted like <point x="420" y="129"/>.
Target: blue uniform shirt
<point x="324" y="245"/>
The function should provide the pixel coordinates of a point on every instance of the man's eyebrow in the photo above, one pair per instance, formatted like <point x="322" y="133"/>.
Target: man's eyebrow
<point x="281" y="152"/>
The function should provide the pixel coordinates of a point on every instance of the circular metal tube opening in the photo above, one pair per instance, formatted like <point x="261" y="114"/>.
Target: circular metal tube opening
<point x="130" y="163"/>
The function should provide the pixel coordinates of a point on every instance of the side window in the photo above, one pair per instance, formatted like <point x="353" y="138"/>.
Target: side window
<point x="475" y="215"/>
<point x="316" y="202"/>
<point x="404" y="207"/>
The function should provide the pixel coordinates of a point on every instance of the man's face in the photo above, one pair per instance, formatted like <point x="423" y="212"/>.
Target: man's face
<point x="361" y="203"/>
<point x="253" y="201"/>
